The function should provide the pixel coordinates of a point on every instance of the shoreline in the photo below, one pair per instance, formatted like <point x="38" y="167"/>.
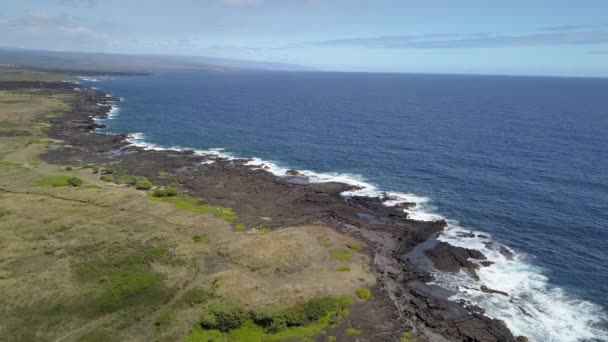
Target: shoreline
<point x="256" y="193"/>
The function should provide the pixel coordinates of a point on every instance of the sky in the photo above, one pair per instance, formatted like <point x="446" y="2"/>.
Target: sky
<point x="531" y="37"/>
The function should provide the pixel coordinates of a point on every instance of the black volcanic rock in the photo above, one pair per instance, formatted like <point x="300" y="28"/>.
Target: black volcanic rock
<point x="449" y="258"/>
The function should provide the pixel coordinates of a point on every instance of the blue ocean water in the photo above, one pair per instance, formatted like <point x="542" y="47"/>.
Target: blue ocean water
<point x="524" y="159"/>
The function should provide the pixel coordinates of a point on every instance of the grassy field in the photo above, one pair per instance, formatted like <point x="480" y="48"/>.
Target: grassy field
<point x="13" y="74"/>
<point x="91" y="260"/>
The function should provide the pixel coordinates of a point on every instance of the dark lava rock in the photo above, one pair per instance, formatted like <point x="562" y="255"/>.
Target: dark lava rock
<point x="453" y="319"/>
<point x="449" y="258"/>
<point x="486" y="289"/>
<point x="292" y="173"/>
<point x="466" y="235"/>
<point x="405" y="205"/>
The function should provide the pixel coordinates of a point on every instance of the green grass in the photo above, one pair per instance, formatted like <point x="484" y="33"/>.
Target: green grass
<point x="326" y="244"/>
<point x="344" y="268"/>
<point x="164" y="320"/>
<point x="240" y="227"/>
<point x="55" y="181"/>
<point x="364" y="294"/>
<point x="121" y="277"/>
<point x="355" y="246"/>
<point x="341" y="254"/>
<point x="201" y="239"/>
<point x="194" y="205"/>
<point x="352" y="332"/>
<point x="10" y="164"/>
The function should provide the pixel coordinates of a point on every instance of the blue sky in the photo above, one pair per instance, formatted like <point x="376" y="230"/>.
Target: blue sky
<point x="535" y="37"/>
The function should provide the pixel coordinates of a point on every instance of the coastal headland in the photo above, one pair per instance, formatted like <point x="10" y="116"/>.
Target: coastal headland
<point x="103" y="240"/>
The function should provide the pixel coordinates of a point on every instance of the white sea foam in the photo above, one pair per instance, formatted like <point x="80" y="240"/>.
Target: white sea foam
<point x="113" y="112"/>
<point x="88" y="79"/>
<point x="533" y="308"/>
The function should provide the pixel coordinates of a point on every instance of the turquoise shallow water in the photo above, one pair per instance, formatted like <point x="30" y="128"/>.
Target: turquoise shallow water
<point x="523" y="159"/>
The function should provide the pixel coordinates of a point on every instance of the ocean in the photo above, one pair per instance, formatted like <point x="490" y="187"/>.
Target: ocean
<point x="522" y="159"/>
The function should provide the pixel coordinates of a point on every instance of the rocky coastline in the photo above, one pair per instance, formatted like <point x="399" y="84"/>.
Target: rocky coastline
<point x="403" y="301"/>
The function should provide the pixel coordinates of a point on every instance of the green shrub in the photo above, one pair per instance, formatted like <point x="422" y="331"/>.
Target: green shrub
<point x="364" y="294"/>
<point x="344" y="268"/>
<point x="240" y="227"/>
<point x="143" y="184"/>
<point x="331" y="338"/>
<point x="326" y="244"/>
<point x="164" y="320"/>
<point x="171" y="191"/>
<point x="223" y="316"/>
<point x="352" y="332"/>
<point x="165" y="191"/>
<point x="74" y="181"/>
<point x="355" y="246"/>
<point x="107" y="171"/>
<point x="95" y="169"/>
<point x="340" y="254"/>
<point x="106" y="178"/>
<point x="132" y="180"/>
<point x="68" y="168"/>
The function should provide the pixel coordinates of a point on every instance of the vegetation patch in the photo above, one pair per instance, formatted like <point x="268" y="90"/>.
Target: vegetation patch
<point x="355" y="246"/>
<point x="10" y="164"/>
<point x="364" y="294"/>
<point x="352" y="332"/>
<point x="164" y="191"/>
<point x="200" y="239"/>
<point x="225" y="321"/>
<point x="195" y="205"/>
<point x="344" y="268"/>
<point x="55" y="181"/>
<point x="341" y="254"/>
<point x="143" y="184"/>
<point x="240" y="227"/>
<point x="74" y="181"/>
<point x="326" y="244"/>
<point x="121" y="277"/>
<point x="106" y="178"/>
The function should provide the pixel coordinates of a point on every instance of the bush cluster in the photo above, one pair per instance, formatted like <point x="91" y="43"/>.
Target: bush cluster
<point x="225" y="317"/>
<point x="143" y="184"/>
<point x="364" y="294"/>
<point x="74" y="181"/>
<point x="106" y="178"/>
<point x="165" y="191"/>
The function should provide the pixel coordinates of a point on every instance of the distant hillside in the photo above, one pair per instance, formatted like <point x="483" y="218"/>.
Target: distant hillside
<point x="75" y="61"/>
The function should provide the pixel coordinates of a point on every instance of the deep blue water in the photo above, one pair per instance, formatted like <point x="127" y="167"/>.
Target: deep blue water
<point x="522" y="158"/>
